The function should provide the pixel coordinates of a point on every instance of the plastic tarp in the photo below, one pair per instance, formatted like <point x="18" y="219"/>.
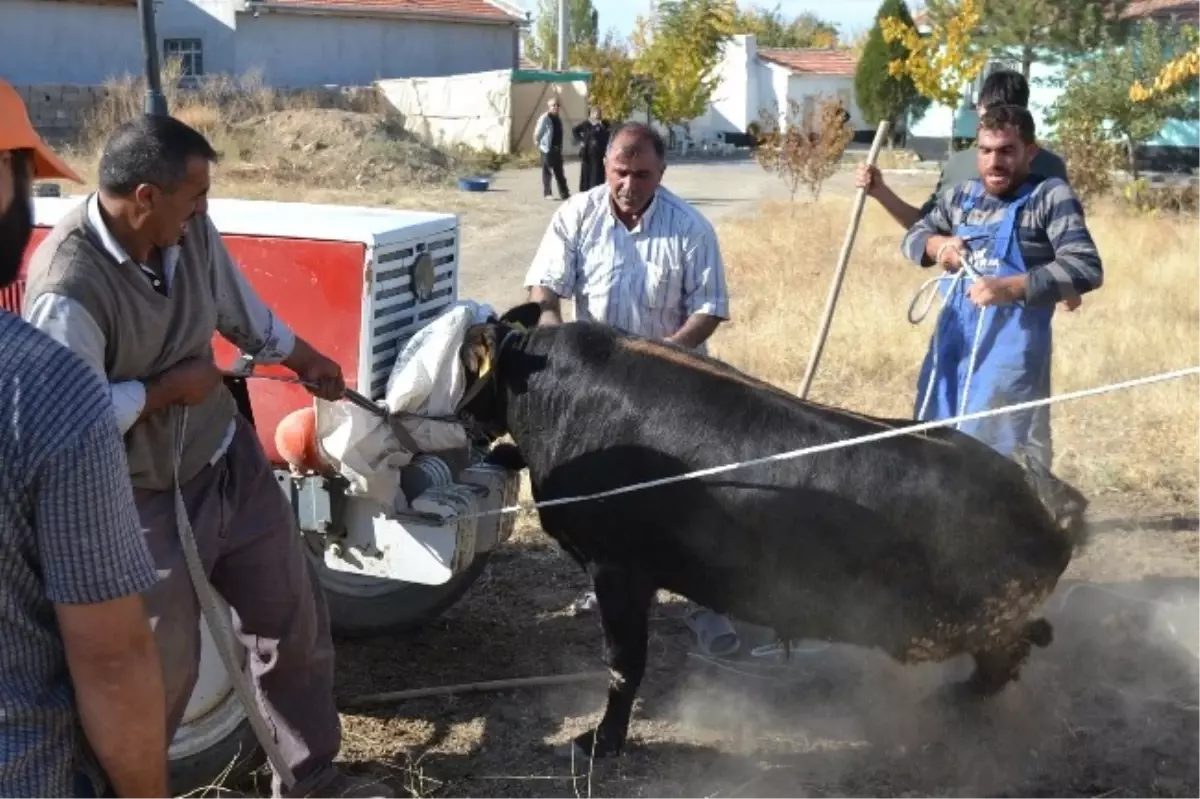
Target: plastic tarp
<point x="472" y="109"/>
<point x="427" y="379"/>
<point x="494" y="110"/>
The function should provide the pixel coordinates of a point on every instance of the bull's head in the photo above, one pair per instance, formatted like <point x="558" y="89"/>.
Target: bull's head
<point x="482" y="406"/>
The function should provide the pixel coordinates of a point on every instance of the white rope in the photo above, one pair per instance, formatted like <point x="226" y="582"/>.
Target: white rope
<point x="967" y="272"/>
<point x="222" y="635"/>
<point x="849" y="442"/>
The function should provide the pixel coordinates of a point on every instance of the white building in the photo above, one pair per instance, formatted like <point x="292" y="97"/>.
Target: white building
<point x="755" y="80"/>
<point x="294" y="43"/>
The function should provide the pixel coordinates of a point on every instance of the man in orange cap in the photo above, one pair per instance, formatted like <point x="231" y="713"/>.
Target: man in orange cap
<point x="82" y="704"/>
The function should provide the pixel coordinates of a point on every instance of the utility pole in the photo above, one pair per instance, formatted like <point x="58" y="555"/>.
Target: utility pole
<point x="562" y="35"/>
<point x="156" y="103"/>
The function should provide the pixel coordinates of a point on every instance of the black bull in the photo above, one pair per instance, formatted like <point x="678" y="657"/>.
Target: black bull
<point x="924" y="546"/>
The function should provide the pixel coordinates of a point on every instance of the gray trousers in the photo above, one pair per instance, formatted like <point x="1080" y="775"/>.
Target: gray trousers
<point x="255" y="559"/>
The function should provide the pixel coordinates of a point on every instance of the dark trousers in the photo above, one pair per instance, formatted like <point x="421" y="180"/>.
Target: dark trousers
<point x="255" y="558"/>
<point x="591" y="170"/>
<point x="553" y="162"/>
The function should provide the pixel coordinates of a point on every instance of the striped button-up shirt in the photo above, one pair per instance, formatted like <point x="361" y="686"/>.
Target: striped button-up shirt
<point x="1055" y="243"/>
<point x="69" y="535"/>
<point x="647" y="280"/>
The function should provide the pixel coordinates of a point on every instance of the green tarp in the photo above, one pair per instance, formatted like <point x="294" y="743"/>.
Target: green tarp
<point x="547" y="76"/>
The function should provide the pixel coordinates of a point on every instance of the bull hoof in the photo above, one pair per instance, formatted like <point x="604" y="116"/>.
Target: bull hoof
<point x="586" y="747"/>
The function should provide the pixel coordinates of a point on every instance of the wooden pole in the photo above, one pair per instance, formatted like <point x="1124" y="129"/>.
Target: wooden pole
<point x="386" y="697"/>
<point x="860" y="200"/>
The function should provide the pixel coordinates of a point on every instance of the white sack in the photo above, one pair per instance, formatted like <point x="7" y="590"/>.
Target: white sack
<point x="428" y="379"/>
<point x="363" y="449"/>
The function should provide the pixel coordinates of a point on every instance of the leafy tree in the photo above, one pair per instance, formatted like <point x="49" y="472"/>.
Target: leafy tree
<point x="772" y="29"/>
<point x="1048" y="31"/>
<point x="941" y="63"/>
<point x="612" y="87"/>
<point x="880" y="94"/>
<point x="1098" y="86"/>
<point x="1182" y="70"/>
<point x="807" y="149"/>
<point x="541" y="44"/>
<point x="679" y="54"/>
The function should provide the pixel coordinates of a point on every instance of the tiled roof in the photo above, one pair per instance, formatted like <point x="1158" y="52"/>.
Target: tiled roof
<point x="823" y="61"/>
<point x="463" y="8"/>
<point x="1185" y="10"/>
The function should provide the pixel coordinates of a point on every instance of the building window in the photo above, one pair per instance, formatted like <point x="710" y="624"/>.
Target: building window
<point x="190" y="53"/>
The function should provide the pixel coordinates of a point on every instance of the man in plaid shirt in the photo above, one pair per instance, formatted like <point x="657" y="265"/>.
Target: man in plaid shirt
<point x="82" y="704"/>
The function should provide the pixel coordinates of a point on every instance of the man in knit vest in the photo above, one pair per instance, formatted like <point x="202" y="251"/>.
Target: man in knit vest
<point x="136" y="280"/>
<point x="81" y="692"/>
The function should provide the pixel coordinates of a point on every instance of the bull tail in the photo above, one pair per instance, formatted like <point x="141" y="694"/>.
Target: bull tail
<point x="1066" y="504"/>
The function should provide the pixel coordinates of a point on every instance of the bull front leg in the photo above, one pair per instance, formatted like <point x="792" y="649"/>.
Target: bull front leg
<point x="624" y="598"/>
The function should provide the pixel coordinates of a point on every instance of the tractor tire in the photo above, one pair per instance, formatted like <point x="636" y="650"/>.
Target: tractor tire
<point x="363" y="607"/>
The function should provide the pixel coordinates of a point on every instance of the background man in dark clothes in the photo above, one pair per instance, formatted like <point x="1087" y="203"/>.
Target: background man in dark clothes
<point x="1002" y="87"/>
<point x="548" y="135"/>
<point x="592" y="135"/>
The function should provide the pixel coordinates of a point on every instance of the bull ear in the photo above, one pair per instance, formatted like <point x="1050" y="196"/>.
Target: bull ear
<point x="525" y="315"/>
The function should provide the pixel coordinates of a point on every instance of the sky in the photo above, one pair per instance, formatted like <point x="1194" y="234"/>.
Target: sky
<point x="849" y="15"/>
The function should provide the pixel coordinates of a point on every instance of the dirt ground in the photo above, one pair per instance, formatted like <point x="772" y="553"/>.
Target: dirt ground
<point x="1109" y="709"/>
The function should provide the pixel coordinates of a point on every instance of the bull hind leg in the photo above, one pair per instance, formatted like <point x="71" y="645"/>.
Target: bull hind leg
<point x="624" y="598"/>
<point x="998" y="665"/>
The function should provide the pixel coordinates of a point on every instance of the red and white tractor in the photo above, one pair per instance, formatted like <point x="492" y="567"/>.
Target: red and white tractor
<point x="357" y="283"/>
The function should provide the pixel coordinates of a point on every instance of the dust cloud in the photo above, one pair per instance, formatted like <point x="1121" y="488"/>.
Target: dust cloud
<point x="1109" y="708"/>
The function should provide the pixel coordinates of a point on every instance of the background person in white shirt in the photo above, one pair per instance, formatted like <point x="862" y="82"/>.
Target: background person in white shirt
<point x="634" y="255"/>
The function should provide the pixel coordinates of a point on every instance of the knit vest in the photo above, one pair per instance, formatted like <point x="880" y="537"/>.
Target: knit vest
<point x="145" y="334"/>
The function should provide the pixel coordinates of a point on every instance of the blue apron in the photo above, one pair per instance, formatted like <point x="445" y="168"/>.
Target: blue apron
<point x="1012" y="364"/>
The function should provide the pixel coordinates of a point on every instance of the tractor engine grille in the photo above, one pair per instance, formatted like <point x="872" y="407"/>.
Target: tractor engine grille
<point x="395" y="313"/>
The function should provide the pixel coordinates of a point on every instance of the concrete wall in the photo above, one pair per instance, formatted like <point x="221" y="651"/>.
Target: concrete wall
<point x="1043" y="93"/>
<point x="77" y="43"/>
<point x="56" y="110"/>
<point x="72" y="43"/>
<point x="296" y="50"/>
<point x="732" y="106"/>
<point x="802" y="86"/>
<point x="213" y="22"/>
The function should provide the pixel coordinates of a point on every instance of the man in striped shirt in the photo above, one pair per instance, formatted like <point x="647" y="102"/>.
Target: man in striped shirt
<point x="634" y="255"/>
<point x="81" y="690"/>
<point x="1026" y="241"/>
<point x="631" y="253"/>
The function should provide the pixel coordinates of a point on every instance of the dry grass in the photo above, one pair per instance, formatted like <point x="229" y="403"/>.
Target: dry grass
<point x="289" y="145"/>
<point x="1140" y="443"/>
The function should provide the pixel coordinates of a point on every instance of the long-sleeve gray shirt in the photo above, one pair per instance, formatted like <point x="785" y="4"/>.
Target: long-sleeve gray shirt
<point x="1053" y="237"/>
<point x="242" y="317"/>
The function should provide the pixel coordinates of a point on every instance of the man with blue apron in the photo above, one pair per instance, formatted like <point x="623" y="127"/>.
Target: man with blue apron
<point x="1013" y="246"/>
<point x="1011" y="344"/>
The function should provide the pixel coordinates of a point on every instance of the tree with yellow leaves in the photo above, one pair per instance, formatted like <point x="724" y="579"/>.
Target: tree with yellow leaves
<point x="680" y="53"/>
<point x="943" y="61"/>
<point x="1175" y="73"/>
<point x="612" y="84"/>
